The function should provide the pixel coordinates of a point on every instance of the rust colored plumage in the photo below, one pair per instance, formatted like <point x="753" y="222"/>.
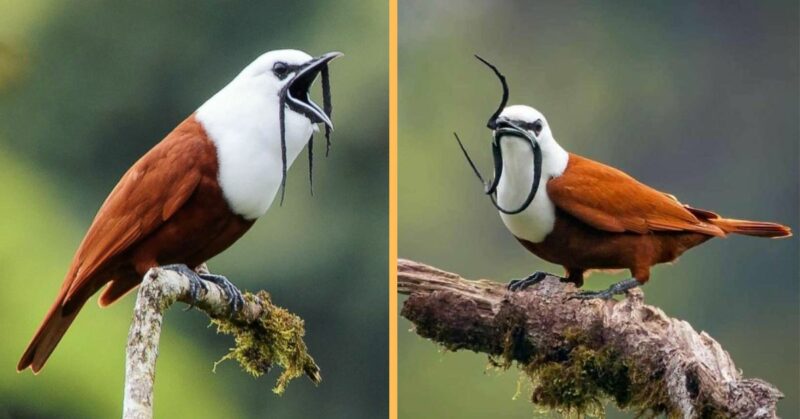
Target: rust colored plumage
<point x="606" y="219"/>
<point x="168" y="208"/>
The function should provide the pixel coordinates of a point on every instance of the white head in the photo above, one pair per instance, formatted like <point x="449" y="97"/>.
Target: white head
<point x="291" y="73"/>
<point x="260" y="122"/>
<point x="518" y="157"/>
<point x="280" y="75"/>
<point x="514" y="148"/>
<point x="531" y="120"/>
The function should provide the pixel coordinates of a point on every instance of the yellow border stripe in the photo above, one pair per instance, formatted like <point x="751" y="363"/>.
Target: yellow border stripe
<point x="393" y="209"/>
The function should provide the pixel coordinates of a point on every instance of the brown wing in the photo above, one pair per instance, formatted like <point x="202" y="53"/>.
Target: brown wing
<point x="152" y="190"/>
<point x="147" y="195"/>
<point x="610" y="200"/>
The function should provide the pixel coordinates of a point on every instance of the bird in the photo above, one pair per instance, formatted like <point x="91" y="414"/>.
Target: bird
<point x="197" y="191"/>
<point x="585" y="215"/>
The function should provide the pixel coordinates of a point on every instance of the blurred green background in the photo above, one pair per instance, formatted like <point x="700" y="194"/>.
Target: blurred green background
<point x="699" y="99"/>
<point x="88" y="87"/>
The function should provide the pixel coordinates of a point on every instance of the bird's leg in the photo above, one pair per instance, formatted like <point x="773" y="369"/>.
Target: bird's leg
<point x="530" y="280"/>
<point x="616" y="289"/>
<point x="235" y="299"/>
<point x="195" y="282"/>
<point x="574" y="277"/>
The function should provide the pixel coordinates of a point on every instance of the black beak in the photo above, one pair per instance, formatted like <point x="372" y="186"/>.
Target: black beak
<point x="505" y="127"/>
<point x="297" y="94"/>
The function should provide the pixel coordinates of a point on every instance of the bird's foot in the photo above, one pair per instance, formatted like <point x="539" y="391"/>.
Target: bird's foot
<point x="235" y="298"/>
<point x="195" y="281"/>
<point x="520" y="284"/>
<point x="616" y="289"/>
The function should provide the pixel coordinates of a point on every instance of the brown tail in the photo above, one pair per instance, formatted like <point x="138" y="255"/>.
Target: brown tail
<point x="752" y="228"/>
<point x="745" y="227"/>
<point x="50" y="332"/>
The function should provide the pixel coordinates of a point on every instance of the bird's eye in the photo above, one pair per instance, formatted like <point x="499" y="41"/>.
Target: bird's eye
<point x="537" y="127"/>
<point x="280" y="69"/>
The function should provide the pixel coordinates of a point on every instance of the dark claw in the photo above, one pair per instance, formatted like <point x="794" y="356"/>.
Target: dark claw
<point x="235" y="298"/>
<point x="616" y="289"/>
<point x="520" y="284"/>
<point x="195" y="282"/>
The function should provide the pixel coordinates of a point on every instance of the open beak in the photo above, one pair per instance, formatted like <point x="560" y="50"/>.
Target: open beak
<point x="505" y="127"/>
<point x="297" y="95"/>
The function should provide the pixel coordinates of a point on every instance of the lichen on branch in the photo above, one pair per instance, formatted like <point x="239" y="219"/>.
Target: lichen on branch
<point x="583" y="374"/>
<point x="275" y="337"/>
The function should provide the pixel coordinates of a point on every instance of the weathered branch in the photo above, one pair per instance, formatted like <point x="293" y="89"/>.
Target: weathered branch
<point x="582" y="353"/>
<point x="265" y="334"/>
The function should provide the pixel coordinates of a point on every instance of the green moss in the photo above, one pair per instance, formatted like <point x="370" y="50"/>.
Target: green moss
<point x="583" y="374"/>
<point x="276" y="337"/>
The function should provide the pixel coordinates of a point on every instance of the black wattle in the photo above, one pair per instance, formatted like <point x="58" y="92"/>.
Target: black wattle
<point x="537" y="175"/>
<point x="311" y="163"/>
<point x="497" y="157"/>
<point x="491" y="188"/>
<point x="492" y="123"/>
<point x="327" y="105"/>
<point x="469" y="160"/>
<point x="282" y="118"/>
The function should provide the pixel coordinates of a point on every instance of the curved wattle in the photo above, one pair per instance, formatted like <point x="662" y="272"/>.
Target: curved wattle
<point x="327" y="106"/>
<point x="295" y="95"/>
<point x="491" y="188"/>
<point x="492" y="123"/>
<point x="537" y="175"/>
<point x="497" y="157"/>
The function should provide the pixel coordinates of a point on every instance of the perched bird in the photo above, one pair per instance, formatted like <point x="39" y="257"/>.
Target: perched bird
<point x="584" y="215"/>
<point x="197" y="191"/>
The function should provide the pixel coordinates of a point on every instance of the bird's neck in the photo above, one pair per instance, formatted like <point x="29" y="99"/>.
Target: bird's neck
<point x="537" y="220"/>
<point x="518" y="164"/>
<point x="244" y="125"/>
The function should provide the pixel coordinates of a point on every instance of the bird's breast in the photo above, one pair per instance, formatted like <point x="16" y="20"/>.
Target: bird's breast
<point x="250" y="161"/>
<point x="249" y="178"/>
<point x="535" y="222"/>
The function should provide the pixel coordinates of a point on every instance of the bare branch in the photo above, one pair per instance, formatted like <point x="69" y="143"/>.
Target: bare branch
<point x="161" y="288"/>
<point x="582" y="353"/>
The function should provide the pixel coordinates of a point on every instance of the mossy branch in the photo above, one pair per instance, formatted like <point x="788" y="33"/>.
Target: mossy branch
<point x="264" y="335"/>
<point x="580" y="354"/>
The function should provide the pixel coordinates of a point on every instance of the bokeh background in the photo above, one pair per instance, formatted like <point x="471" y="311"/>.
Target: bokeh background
<point x="88" y="87"/>
<point x="699" y="99"/>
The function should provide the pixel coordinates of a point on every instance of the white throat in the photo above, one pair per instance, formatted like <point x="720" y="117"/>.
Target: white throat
<point x="243" y="124"/>
<point x="537" y="220"/>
